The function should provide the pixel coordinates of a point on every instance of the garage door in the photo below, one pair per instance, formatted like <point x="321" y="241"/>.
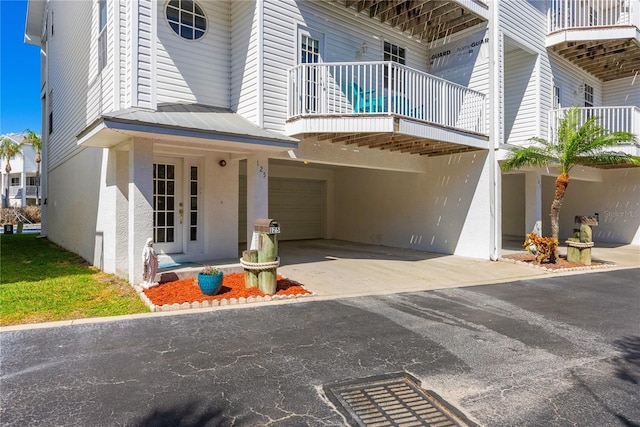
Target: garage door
<point x="297" y="204"/>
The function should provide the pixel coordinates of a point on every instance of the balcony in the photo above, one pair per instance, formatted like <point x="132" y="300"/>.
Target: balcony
<point x="600" y="36"/>
<point x="615" y="119"/>
<point x="15" y="191"/>
<point x="384" y="105"/>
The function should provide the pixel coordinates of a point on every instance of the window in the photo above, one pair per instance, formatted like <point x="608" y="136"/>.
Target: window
<point x="193" y="189"/>
<point x="588" y="95"/>
<point x="186" y="18"/>
<point x="310" y="54"/>
<point x="102" y="35"/>
<point x="15" y="181"/>
<point x="395" y="54"/>
<point x="556" y="97"/>
<point x="31" y="180"/>
<point x="50" y="107"/>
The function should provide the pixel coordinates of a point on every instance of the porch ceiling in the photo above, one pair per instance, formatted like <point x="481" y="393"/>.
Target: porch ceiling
<point x="426" y="20"/>
<point x="605" y="59"/>
<point x="394" y="142"/>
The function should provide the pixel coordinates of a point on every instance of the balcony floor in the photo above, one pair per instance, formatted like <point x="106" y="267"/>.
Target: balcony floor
<point x="388" y="133"/>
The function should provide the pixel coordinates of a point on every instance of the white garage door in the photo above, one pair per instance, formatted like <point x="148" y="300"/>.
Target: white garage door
<point x="297" y="204"/>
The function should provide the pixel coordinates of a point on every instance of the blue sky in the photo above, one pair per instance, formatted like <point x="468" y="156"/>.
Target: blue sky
<point x="19" y="72"/>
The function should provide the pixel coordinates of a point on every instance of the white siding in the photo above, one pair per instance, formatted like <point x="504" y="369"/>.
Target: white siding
<point x="622" y="92"/>
<point x="100" y="83"/>
<point x="195" y="71"/>
<point x="343" y="36"/>
<point x="520" y="97"/>
<point x="71" y="44"/>
<point x="145" y="54"/>
<point x="124" y="77"/>
<point x="244" y="59"/>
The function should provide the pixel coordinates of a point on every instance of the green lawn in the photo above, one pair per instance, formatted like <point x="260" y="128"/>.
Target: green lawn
<point x="40" y="282"/>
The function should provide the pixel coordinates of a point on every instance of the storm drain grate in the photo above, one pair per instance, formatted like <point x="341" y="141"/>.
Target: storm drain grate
<point x="394" y="400"/>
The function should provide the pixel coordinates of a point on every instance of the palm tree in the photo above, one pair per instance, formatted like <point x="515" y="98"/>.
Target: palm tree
<point x="578" y="144"/>
<point x="30" y="137"/>
<point x="9" y="149"/>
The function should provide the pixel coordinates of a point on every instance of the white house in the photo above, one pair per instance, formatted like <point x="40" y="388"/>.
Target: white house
<point x="22" y="181"/>
<point x="371" y="121"/>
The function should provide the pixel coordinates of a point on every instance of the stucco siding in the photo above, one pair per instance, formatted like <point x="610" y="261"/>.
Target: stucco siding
<point x="443" y="210"/>
<point x="195" y="71"/>
<point x="615" y="197"/>
<point x="72" y="202"/>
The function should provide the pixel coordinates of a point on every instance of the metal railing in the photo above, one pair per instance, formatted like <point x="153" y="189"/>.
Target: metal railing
<point x="383" y="88"/>
<point x="625" y="119"/>
<point x="565" y="14"/>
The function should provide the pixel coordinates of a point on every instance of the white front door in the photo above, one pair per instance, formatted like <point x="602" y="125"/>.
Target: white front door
<point x="168" y="205"/>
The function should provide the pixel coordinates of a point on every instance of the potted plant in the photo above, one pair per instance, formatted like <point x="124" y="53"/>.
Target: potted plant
<point x="210" y="280"/>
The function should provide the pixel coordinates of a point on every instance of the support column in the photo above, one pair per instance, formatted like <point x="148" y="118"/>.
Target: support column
<point x="496" y="137"/>
<point x="140" y="204"/>
<point x="23" y="184"/>
<point x="257" y="192"/>
<point x="533" y="203"/>
<point x="122" y="212"/>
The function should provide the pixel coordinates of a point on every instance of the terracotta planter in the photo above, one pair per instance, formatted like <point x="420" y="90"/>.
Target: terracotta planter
<point x="210" y="284"/>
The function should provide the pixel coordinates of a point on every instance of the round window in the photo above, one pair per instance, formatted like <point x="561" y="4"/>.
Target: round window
<point x="186" y="18"/>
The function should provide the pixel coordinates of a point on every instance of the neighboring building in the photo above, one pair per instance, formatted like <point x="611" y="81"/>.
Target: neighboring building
<point x="371" y="121"/>
<point x="23" y="189"/>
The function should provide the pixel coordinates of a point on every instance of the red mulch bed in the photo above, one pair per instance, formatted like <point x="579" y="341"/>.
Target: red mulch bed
<point x="561" y="262"/>
<point x="187" y="290"/>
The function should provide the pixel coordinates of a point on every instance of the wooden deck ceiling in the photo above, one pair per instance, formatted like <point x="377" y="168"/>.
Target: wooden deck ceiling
<point x="393" y="142"/>
<point x="426" y="20"/>
<point x="605" y="59"/>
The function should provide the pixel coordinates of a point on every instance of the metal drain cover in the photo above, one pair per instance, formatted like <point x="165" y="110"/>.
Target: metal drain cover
<point x="393" y="400"/>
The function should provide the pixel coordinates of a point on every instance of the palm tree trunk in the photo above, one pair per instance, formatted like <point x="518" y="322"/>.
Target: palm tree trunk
<point x="561" y="187"/>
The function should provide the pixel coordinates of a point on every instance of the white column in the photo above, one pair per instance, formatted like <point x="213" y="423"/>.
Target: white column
<point x="140" y="204"/>
<point x="23" y="183"/>
<point x="122" y="212"/>
<point x="495" y="132"/>
<point x="533" y="202"/>
<point x="257" y="192"/>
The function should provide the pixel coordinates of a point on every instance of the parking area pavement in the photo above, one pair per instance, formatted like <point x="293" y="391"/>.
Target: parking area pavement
<point x="556" y="350"/>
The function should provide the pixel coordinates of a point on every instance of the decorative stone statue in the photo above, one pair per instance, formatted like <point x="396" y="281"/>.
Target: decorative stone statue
<point x="150" y="265"/>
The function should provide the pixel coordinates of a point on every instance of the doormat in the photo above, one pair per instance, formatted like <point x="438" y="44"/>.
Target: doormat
<point x="166" y="265"/>
<point x="393" y="400"/>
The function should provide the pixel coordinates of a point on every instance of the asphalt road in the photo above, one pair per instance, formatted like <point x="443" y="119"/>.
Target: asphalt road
<point x="556" y="351"/>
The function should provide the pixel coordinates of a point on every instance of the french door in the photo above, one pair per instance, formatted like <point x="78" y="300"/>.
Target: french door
<point x="168" y="205"/>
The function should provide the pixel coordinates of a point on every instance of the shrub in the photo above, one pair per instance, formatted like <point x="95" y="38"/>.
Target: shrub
<point x="32" y="213"/>
<point x="544" y="248"/>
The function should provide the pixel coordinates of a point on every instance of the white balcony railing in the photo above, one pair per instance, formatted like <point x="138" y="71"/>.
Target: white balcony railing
<point x="383" y="88"/>
<point x="14" y="191"/>
<point x="566" y="14"/>
<point x="615" y="119"/>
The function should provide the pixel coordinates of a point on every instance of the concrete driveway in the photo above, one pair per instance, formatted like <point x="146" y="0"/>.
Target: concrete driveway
<point x="553" y="351"/>
<point x="334" y="268"/>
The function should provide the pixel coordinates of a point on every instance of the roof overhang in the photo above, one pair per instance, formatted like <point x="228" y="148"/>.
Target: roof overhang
<point x="217" y="129"/>
<point x="609" y="53"/>
<point x="34" y="21"/>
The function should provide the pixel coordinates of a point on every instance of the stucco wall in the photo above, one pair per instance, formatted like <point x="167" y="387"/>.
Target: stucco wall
<point x="616" y="198"/>
<point x="72" y="202"/>
<point x="513" y="205"/>
<point x="445" y="209"/>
